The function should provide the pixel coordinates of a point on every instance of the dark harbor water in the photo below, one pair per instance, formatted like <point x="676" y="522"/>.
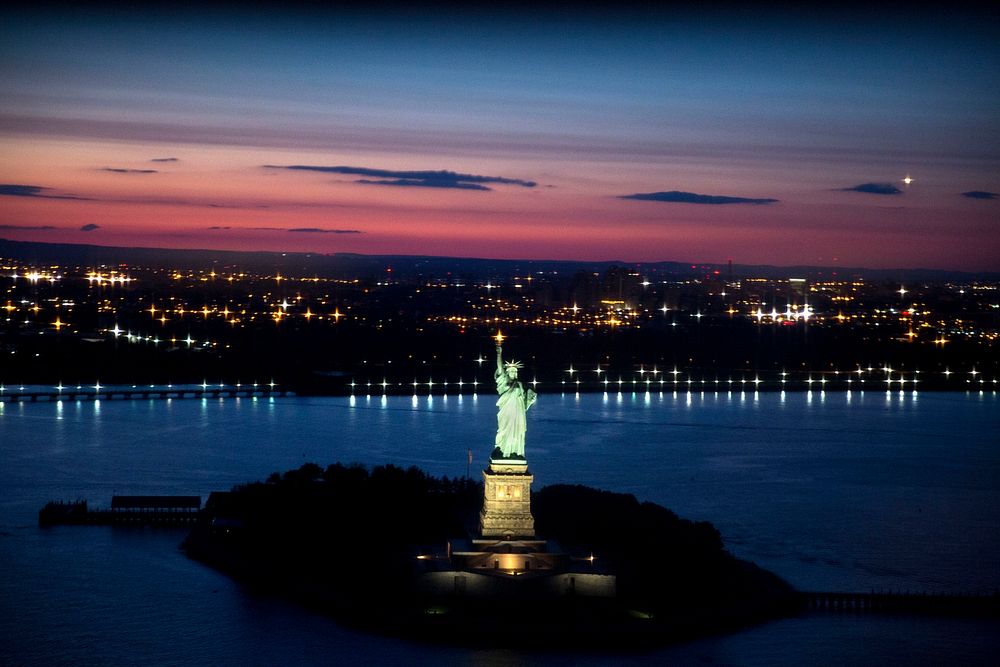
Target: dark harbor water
<point x="833" y="491"/>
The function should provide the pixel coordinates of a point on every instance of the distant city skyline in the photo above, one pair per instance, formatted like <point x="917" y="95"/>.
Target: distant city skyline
<point x="853" y="138"/>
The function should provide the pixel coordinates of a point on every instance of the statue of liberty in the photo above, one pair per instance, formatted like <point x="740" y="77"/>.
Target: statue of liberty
<point x="512" y="407"/>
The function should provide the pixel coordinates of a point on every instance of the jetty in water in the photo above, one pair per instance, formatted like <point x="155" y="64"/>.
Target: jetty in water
<point x="124" y="511"/>
<point x="902" y="602"/>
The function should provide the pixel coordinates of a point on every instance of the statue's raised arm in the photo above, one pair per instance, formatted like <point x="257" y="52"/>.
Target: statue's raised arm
<point x="512" y="406"/>
<point x="500" y="373"/>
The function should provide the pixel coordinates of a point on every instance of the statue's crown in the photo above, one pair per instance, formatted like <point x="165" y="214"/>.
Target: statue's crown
<point x="514" y="364"/>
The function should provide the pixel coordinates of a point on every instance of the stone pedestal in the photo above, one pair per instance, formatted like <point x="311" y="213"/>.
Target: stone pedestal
<point x="507" y="501"/>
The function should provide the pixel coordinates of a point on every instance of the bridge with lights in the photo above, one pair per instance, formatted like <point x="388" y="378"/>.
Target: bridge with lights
<point x="97" y="391"/>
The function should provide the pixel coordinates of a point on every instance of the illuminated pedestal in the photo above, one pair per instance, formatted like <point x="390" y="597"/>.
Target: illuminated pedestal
<point x="507" y="563"/>
<point x="507" y="501"/>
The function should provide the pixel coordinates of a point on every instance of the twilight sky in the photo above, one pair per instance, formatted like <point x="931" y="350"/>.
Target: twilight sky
<point x="764" y="136"/>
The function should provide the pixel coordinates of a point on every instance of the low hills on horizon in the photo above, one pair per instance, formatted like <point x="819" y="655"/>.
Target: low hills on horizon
<point x="358" y="265"/>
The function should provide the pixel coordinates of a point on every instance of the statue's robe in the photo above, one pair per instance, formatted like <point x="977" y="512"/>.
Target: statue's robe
<point x="512" y="406"/>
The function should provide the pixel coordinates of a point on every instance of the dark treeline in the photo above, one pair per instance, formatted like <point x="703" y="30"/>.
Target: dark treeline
<point x="342" y="519"/>
<point x="670" y="565"/>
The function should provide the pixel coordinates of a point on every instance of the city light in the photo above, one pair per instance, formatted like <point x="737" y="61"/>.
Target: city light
<point x="632" y="303"/>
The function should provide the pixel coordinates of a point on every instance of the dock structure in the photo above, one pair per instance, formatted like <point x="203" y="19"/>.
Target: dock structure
<point x="903" y="602"/>
<point x="125" y="511"/>
<point x="139" y="392"/>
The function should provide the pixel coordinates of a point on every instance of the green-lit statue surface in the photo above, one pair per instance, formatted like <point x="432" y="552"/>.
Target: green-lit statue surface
<point x="512" y="407"/>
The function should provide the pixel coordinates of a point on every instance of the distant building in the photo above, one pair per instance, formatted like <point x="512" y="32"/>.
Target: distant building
<point x="798" y="291"/>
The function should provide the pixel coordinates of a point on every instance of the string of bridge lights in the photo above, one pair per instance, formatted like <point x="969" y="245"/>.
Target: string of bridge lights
<point x="679" y="381"/>
<point x="108" y="390"/>
<point x="676" y="383"/>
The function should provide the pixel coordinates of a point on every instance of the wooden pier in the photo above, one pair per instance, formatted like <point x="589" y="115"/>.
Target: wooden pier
<point x="900" y="602"/>
<point x="125" y="511"/>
